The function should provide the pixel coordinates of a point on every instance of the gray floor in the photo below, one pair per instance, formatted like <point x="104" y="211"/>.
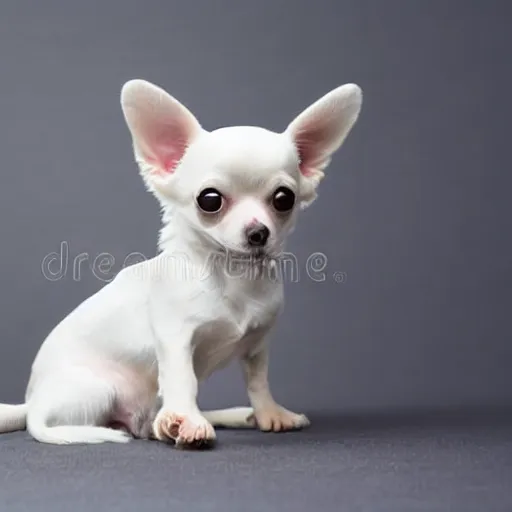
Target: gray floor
<point x="421" y="463"/>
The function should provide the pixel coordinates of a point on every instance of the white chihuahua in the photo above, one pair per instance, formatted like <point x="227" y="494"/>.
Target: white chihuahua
<point x="127" y="361"/>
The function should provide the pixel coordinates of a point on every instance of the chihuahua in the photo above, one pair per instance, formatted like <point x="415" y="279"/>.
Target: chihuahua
<point x="126" y="362"/>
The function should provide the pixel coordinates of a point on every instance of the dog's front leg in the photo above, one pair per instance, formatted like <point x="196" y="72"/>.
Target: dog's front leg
<point x="179" y="418"/>
<point x="269" y="415"/>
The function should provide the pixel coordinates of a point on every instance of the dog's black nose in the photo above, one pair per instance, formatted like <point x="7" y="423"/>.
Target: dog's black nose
<point x="257" y="235"/>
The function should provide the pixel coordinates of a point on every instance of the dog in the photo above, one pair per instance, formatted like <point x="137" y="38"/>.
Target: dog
<point x="127" y="361"/>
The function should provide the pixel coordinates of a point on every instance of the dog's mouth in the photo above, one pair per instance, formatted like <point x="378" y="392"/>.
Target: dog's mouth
<point x="255" y="255"/>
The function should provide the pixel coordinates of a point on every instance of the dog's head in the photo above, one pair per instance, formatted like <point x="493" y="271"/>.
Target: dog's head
<point x="239" y="188"/>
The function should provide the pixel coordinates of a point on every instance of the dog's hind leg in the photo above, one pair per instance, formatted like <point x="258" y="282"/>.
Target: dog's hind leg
<point x="72" y="407"/>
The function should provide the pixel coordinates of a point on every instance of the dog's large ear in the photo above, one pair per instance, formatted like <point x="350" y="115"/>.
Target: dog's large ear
<point x="320" y="130"/>
<point x="161" y="127"/>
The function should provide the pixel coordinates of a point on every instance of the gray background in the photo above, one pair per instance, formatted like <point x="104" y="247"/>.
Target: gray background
<point x="415" y="209"/>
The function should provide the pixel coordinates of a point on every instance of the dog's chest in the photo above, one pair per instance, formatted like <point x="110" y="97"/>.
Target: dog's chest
<point x="240" y="316"/>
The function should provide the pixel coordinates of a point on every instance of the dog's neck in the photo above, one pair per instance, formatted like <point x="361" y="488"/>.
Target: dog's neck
<point x="176" y="235"/>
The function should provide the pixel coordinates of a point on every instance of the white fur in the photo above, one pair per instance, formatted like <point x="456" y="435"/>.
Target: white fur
<point x="131" y="356"/>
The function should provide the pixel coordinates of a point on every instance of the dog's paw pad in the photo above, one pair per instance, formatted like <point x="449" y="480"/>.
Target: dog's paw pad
<point x="167" y="425"/>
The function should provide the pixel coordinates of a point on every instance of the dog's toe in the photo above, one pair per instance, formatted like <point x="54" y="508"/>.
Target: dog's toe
<point x="198" y="434"/>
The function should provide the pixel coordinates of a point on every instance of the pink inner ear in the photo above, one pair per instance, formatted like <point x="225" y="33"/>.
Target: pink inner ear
<point x="164" y="144"/>
<point x="305" y="152"/>
<point x="168" y="154"/>
<point x="310" y="144"/>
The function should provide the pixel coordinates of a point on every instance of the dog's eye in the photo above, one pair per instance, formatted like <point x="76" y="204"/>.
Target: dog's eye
<point x="283" y="199"/>
<point x="210" y="200"/>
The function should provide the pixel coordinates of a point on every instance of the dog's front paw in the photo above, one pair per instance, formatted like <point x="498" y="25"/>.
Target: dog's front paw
<point x="278" y="419"/>
<point x="184" y="430"/>
<point x="195" y="433"/>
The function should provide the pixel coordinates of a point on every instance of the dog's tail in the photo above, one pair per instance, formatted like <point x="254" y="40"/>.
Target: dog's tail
<point x="236" y="417"/>
<point x="12" y="417"/>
